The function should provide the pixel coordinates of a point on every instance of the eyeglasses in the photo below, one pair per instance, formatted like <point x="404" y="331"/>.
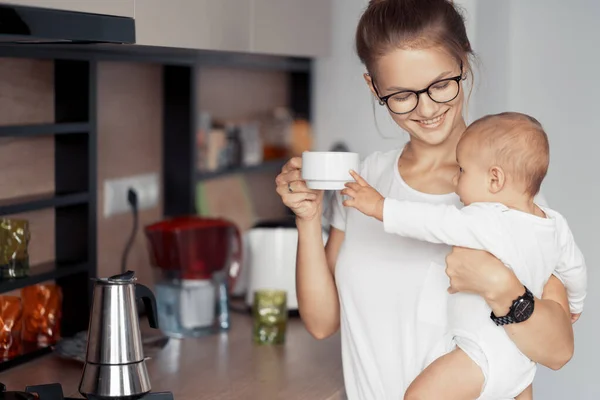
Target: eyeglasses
<point x="406" y="101"/>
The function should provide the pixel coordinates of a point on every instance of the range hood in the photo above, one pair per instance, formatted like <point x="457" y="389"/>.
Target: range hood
<point x="26" y="25"/>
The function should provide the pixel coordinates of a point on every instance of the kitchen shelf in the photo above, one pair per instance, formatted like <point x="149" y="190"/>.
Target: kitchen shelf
<point x="44" y="129"/>
<point x="156" y="55"/>
<point x="271" y="165"/>
<point x="40" y="202"/>
<point x="73" y="200"/>
<point x="42" y="273"/>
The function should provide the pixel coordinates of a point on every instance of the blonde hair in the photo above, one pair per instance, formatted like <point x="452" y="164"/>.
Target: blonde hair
<point x="516" y="142"/>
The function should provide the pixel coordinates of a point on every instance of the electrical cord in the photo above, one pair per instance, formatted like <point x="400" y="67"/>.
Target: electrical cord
<point x="132" y="199"/>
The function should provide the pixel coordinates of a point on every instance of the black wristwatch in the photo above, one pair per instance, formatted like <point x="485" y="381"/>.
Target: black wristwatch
<point x="520" y="310"/>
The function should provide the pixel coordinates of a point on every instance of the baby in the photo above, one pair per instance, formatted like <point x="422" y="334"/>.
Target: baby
<point x="503" y="160"/>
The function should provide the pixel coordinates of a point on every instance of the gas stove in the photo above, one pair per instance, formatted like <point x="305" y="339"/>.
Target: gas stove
<point x="53" y="391"/>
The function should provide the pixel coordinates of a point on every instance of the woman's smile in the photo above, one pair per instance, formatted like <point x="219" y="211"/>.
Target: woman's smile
<point x="432" y="123"/>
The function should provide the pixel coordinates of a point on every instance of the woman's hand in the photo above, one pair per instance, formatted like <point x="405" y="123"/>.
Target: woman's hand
<point x="304" y="202"/>
<point x="547" y="336"/>
<point x="479" y="272"/>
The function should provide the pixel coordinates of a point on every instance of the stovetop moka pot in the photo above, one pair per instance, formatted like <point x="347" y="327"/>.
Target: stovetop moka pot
<point x="115" y="364"/>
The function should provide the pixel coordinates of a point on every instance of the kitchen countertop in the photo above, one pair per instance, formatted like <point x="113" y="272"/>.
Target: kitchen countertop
<point x="219" y="367"/>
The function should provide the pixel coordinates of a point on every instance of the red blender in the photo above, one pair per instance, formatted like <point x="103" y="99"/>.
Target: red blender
<point x="196" y="261"/>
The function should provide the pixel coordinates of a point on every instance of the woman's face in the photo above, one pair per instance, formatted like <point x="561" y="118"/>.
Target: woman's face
<point x="431" y="123"/>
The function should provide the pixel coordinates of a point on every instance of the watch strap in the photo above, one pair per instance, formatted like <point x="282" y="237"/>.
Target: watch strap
<point x="501" y="321"/>
<point x="508" y="318"/>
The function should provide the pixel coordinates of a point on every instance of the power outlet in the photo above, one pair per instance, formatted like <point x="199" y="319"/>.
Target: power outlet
<point x="115" y="193"/>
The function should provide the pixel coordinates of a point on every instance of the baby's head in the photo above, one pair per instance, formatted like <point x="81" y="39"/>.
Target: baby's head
<point x="503" y="157"/>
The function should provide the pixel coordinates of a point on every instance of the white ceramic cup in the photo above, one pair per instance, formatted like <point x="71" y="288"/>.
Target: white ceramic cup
<point x="328" y="170"/>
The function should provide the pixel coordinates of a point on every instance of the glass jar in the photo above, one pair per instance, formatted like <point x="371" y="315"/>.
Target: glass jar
<point x="14" y="243"/>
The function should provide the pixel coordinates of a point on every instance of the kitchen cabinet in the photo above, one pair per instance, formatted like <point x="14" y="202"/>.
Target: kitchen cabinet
<point x="122" y="8"/>
<point x="231" y="23"/>
<point x="292" y="27"/>
<point x="199" y="24"/>
<point x="282" y="27"/>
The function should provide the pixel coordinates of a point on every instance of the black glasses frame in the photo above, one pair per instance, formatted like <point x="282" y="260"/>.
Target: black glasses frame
<point x="384" y="100"/>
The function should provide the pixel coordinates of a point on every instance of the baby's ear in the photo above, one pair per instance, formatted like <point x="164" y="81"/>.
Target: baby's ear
<point x="496" y="179"/>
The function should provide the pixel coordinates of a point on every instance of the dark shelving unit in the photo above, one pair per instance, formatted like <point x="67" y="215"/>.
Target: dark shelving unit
<point x="42" y="273"/>
<point x="44" y="129"/>
<point x="74" y="198"/>
<point x="75" y="140"/>
<point x="179" y="138"/>
<point x="40" y="202"/>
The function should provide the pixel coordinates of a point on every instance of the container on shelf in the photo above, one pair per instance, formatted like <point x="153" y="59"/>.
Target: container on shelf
<point x="11" y="314"/>
<point x="42" y="314"/>
<point x="276" y="129"/>
<point x="14" y="254"/>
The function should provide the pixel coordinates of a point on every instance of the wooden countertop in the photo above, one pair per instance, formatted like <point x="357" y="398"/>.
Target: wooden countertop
<point x="220" y="367"/>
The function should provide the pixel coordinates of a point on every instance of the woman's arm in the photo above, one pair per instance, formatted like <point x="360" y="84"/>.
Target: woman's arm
<point x="318" y="300"/>
<point x="547" y="336"/>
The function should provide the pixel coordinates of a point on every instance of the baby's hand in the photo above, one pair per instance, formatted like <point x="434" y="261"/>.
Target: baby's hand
<point x="575" y="317"/>
<point x="363" y="197"/>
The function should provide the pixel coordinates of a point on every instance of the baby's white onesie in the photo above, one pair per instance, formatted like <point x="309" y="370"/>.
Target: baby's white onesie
<point x="533" y="247"/>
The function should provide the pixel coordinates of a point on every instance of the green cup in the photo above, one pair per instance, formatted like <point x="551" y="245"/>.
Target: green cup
<point x="270" y="316"/>
<point x="14" y="242"/>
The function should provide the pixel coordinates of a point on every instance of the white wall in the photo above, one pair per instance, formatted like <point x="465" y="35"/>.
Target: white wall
<point x="554" y="66"/>
<point x="343" y="105"/>
<point x="536" y="56"/>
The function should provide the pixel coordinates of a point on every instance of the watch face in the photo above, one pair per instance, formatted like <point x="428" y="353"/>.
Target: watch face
<point x="523" y="310"/>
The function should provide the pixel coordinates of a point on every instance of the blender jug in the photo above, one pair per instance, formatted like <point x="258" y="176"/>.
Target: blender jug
<point x="195" y="262"/>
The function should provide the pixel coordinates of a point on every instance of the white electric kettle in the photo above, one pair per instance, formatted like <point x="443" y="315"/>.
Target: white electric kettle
<point x="270" y="260"/>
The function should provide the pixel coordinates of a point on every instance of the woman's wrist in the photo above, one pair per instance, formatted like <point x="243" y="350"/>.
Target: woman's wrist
<point x="504" y="290"/>
<point x="308" y="223"/>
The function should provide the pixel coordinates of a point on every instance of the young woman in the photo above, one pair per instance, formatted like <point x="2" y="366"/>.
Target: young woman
<point x="387" y="293"/>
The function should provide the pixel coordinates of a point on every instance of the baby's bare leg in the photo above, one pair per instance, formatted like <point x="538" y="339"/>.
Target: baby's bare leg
<point x="527" y="394"/>
<point x="451" y="377"/>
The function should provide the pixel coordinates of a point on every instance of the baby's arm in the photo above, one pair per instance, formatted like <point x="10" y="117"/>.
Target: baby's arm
<point x="470" y="227"/>
<point x="571" y="269"/>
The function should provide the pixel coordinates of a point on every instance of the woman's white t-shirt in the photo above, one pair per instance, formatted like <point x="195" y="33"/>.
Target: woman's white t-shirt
<point x="392" y="290"/>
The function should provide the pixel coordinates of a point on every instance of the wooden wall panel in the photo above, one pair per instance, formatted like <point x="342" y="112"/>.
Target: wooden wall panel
<point x="129" y="143"/>
<point x="26" y="91"/>
<point x="238" y="93"/>
<point x="27" y="166"/>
